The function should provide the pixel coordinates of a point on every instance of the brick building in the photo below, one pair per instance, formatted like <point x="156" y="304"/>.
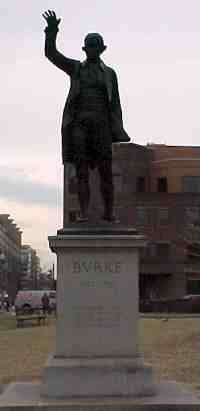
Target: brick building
<point x="157" y="190"/>
<point x="10" y="256"/>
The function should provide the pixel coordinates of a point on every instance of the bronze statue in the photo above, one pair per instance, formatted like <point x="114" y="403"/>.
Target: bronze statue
<point x="92" y="117"/>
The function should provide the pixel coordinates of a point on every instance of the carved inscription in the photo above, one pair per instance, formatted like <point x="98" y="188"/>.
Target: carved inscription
<point x="96" y="316"/>
<point x="96" y="266"/>
<point x="96" y="274"/>
<point x="93" y="283"/>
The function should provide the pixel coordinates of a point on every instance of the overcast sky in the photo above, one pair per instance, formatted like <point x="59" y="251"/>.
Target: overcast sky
<point x="154" y="46"/>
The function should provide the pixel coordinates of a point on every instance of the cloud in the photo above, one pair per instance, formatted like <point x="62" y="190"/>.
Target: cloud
<point x="18" y="187"/>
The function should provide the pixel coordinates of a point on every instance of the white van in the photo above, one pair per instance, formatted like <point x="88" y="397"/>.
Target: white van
<point x="30" y="300"/>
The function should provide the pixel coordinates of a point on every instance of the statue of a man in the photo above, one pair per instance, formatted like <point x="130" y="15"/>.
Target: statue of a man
<point x="92" y="117"/>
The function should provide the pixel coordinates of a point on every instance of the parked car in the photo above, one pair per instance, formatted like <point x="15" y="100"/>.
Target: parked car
<point x="31" y="300"/>
<point x="192" y="297"/>
<point x="189" y="303"/>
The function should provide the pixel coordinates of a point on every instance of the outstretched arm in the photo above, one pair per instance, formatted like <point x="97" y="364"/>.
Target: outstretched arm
<point x="51" y="52"/>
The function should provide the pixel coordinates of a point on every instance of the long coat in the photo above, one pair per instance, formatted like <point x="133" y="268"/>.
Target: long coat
<point x="72" y="68"/>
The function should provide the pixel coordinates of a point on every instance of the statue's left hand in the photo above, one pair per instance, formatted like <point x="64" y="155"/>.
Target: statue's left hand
<point x="51" y="19"/>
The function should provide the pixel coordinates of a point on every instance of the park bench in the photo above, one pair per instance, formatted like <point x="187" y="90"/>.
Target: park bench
<point x="38" y="318"/>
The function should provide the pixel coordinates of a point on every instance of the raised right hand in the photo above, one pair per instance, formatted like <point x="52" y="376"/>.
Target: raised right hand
<point x="51" y="19"/>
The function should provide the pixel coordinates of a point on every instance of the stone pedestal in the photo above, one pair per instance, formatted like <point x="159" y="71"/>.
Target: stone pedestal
<point x="97" y="315"/>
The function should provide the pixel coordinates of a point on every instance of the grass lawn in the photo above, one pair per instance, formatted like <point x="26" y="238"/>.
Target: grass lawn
<point x="23" y="351"/>
<point x="172" y="348"/>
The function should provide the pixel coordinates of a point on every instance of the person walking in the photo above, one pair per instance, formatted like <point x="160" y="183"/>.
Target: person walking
<point x="45" y="303"/>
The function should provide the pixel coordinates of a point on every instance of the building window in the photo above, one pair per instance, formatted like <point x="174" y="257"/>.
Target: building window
<point x="163" y="250"/>
<point x="151" y="250"/>
<point x="193" y="251"/>
<point x="163" y="216"/>
<point x="192" y="215"/>
<point x="141" y="215"/>
<point x="157" y="250"/>
<point x="193" y="284"/>
<point x="140" y="185"/>
<point x="191" y="184"/>
<point x="162" y="185"/>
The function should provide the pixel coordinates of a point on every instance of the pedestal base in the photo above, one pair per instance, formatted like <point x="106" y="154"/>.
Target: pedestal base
<point x="96" y="377"/>
<point x="97" y="291"/>
<point x="96" y="353"/>
<point x="169" y="397"/>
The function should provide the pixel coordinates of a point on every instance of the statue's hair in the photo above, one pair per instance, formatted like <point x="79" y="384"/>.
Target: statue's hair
<point x="97" y="37"/>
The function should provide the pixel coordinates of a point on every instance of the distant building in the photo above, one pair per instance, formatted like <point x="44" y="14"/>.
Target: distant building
<point x="30" y="268"/>
<point x="157" y="190"/>
<point x="46" y="280"/>
<point x="10" y="256"/>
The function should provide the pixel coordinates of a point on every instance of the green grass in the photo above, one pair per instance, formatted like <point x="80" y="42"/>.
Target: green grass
<point x="172" y="348"/>
<point x="7" y="322"/>
<point x="24" y="351"/>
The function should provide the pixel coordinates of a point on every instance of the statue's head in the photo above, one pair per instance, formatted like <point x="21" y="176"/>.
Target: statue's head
<point x="94" y="45"/>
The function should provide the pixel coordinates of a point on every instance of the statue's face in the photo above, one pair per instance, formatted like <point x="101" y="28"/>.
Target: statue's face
<point x="92" y="53"/>
<point x="92" y="49"/>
